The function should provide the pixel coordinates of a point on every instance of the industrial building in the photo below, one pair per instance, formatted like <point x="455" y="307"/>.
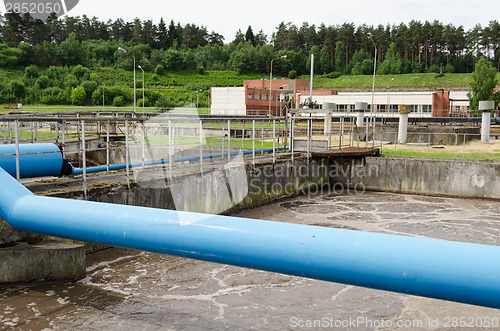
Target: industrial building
<point x="253" y="99"/>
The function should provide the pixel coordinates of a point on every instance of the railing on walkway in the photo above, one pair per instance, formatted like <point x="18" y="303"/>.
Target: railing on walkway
<point x="108" y="139"/>
<point x="89" y="141"/>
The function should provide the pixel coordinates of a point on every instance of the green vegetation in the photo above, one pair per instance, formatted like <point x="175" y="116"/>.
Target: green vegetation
<point x="75" y="61"/>
<point x="483" y="82"/>
<point x="80" y="86"/>
<point x="439" y="154"/>
<point x="395" y="82"/>
<point x="216" y="143"/>
<point x="61" y="86"/>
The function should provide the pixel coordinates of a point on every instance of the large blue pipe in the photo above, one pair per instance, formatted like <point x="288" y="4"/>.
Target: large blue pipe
<point x="35" y="160"/>
<point x="121" y="166"/>
<point x="462" y="272"/>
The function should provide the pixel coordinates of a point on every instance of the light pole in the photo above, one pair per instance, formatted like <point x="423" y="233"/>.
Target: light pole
<point x="388" y="102"/>
<point x="271" y="81"/>
<point x="197" y="95"/>
<point x="143" y="112"/>
<point x="369" y="35"/>
<point x="125" y="52"/>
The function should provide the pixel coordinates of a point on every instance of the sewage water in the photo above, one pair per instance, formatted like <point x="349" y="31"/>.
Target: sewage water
<point x="130" y="290"/>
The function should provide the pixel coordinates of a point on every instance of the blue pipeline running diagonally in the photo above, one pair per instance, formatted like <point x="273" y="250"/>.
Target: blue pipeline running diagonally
<point x="454" y="271"/>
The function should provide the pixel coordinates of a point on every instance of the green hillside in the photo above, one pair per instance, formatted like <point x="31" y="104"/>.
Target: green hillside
<point x="84" y="87"/>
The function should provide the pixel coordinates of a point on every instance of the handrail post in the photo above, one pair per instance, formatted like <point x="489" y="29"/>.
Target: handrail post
<point x="16" y="133"/>
<point x="84" y="161"/>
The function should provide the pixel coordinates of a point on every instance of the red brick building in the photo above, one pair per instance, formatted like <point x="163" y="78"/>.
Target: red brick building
<point x="264" y="97"/>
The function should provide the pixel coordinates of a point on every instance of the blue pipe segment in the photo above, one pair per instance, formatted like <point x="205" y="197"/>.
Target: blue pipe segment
<point x="35" y="160"/>
<point x="462" y="272"/>
<point x="121" y="166"/>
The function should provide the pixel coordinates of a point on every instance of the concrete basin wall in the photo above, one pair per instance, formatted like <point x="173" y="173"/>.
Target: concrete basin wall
<point x="234" y="186"/>
<point x="453" y="177"/>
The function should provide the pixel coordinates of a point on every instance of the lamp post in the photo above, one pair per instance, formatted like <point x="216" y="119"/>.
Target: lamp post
<point x="197" y="98"/>
<point x="369" y="35"/>
<point x="271" y="81"/>
<point x="126" y="52"/>
<point x="388" y="102"/>
<point x="143" y="112"/>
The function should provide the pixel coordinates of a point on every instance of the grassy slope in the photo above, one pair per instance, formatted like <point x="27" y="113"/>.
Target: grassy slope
<point x="122" y="77"/>
<point x="172" y="83"/>
<point x="175" y="78"/>
<point x="404" y="82"/>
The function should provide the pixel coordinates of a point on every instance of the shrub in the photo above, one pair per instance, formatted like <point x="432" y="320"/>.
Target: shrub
<point x="292" y="74"/>
<point x="417" y="67"/>
<point x="90" y="86"/>
<point x="93" y="76"/>
<point x="198" y="86"/>
<point x="159" y="70"/>
<point x="53" y="96"/>
<point x="155" y="79"/>
<point x="32" y="95"/>
<point x="333" y="75"/>
<point x="70" y="81"/>
<point x="162" y="102"/>
<point x="97" y="96"/>
<point x="78" y="96"/>
<point x="433" y="68"/>
<point x="146" y="102"/>
<point x="31" y="71"/>
<point x="152" y="96"/>
<point x="80" y="72"/>
<point x="116" y="91"/>
<point x="42" y="82"/>
<point x="200" y="70"/>
<point x="17" y="89"/>
<point x="119" y="101"/>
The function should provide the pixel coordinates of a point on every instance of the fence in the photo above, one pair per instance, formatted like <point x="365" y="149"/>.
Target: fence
<point x="110" y="142"/>
<point x="105" y="141"/>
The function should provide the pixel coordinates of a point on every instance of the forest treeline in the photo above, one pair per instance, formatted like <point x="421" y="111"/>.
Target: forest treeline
<point x="414" y="47"/>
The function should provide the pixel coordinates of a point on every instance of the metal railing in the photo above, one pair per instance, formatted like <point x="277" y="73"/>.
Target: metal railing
<point x="107" y="141"/>
<point x="104" y="140"/>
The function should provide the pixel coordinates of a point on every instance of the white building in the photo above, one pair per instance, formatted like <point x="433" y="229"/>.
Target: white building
<point x="250" y="100"/>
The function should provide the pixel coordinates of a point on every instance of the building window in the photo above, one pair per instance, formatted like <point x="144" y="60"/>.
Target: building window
<point x="250" y="96"/>
<point x="264" y="96"/>
<point x="257" y="97"/>
<point x="381" y="108"/>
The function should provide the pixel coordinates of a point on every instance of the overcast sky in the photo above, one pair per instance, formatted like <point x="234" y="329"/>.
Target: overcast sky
<point x="227" y="16"/>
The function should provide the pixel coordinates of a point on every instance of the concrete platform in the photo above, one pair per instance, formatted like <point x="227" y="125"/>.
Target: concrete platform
<point x="8" y="234"/>
<point x="348" y="151"/>
<point x="49" y="260"/>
